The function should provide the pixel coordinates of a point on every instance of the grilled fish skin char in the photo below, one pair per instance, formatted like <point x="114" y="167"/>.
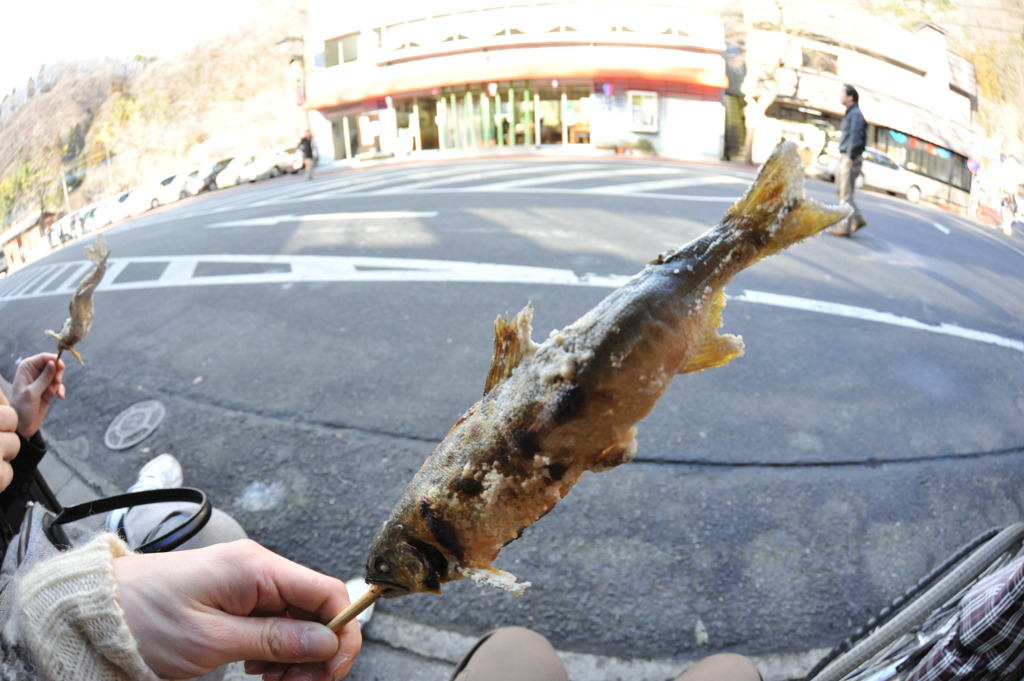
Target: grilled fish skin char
<point x="78" y="324"/>
<point x="553" y="411"/>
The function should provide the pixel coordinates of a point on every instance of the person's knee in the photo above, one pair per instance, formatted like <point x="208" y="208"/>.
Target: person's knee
<point x="513" y="653"/>
<point x="722" y="667"/>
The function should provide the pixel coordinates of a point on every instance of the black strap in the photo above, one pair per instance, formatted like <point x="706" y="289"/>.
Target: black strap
<point x="171" y="539"/>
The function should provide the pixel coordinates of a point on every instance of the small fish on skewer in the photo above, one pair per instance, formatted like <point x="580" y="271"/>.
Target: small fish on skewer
<point x="80" y="309"/>
<point x="553" y="411"/>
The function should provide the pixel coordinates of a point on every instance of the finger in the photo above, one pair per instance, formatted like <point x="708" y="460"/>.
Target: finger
<point x="277" y="639"/>
<point x="44" y="380"/>
<point x="10" y="445"/>
<point x="350" y="643"/>
<point x="274" y="672"/>
<point x="305" y="672"/>
<point x="306" y="590"/>
<point x="254" y="667"/>
<point x="8" y="419"/>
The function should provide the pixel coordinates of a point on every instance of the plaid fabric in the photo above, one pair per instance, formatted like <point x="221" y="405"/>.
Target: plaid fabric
<point x="987" y="642"/>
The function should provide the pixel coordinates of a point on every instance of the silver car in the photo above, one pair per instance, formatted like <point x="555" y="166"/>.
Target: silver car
<point x="878" y="171"/>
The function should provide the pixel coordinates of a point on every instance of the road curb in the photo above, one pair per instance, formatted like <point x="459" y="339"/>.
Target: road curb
<point x="435" y="648"/>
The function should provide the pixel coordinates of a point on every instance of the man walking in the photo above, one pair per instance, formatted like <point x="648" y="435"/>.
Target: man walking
<point x="852" y="140"/>
<point x="308" y="159"/>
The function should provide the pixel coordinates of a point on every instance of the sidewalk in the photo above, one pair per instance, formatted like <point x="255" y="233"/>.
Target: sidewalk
<point x="397" y="649"/>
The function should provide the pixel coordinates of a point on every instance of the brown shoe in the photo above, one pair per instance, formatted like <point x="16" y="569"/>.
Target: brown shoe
<point x="838" y="232"/>
<point x="860" y="223"/>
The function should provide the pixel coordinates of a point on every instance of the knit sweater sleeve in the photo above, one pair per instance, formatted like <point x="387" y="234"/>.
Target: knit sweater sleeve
<point x="69" y="619"/>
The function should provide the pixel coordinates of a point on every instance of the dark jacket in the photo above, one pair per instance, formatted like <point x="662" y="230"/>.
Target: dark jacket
<point x="26" y="486"/>
<point x="854" y="132"/>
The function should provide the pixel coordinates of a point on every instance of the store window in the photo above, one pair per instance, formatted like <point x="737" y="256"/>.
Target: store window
<point x="643" y="110"/>
<point x="925" y="158"/>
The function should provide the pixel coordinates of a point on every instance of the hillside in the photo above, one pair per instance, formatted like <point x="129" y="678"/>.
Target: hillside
<point x="148" y="116"/>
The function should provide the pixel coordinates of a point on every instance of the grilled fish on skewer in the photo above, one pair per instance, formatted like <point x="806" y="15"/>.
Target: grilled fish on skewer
<point x="553" y="411"/>
<point x="80" y="321"/>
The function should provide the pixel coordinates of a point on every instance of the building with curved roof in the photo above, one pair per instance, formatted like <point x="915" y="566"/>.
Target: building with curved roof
<point x="397" y="77"/>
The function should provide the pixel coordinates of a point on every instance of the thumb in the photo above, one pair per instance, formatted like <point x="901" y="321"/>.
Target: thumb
<point x="278" y="639"/>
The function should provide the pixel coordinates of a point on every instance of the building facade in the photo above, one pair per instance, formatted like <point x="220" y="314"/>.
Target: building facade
<point x="917" y="97"/>
<point x="391" y="78"/>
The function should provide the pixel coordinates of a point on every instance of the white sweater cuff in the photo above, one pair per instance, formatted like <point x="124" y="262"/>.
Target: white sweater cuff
<point x="71" y="620"/>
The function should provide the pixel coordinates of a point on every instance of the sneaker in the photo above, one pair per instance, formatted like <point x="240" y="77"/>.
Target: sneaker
<point x="356" y="588"/>
<point x="161" y="472"/>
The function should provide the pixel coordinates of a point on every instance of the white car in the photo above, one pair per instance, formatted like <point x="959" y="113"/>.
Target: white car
<point x="204" y="178"/>
<point x="878" y="171"/>
<point x="125" y="206"/>
<point x="271" y="163"/>
<point x="167" y="190"/>
<point x="233" y="172"/>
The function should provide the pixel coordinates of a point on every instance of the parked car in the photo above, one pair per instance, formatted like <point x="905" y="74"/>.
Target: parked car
<point x="64" y="229"/>
<point x="96" y="215"/>
<point x="204" y="178"/>
<point x="232" y="173"/>
<point x="167" y="190"/>
<point x="269" y="163"/>
<point x="293" y="160"/>
<point x="125" y="206"/>
<point x="878" y="171"/>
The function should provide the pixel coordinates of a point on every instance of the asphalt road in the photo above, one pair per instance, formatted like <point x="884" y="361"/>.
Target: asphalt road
<point x="312" y="342"/>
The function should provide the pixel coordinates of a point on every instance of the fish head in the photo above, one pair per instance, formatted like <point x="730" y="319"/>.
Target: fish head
<point x="400" y="563"/>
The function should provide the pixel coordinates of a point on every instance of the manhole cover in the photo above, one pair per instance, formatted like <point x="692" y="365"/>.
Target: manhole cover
<point x="134" y="424"/>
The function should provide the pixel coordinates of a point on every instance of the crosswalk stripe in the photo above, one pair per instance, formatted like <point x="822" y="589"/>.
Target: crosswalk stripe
<point x="527" y="176"/>
<point x="553" y="178"/>
<point x="480" y="175"/>
<point x="654" y="185"/>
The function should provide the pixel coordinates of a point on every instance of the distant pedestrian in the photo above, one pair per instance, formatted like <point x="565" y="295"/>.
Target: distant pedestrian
<point x="308" y="160"/>
<point x="1008" y="213"/>
<point x="852" y="141"/>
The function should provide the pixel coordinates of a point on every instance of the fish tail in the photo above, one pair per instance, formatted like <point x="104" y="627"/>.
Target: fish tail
<point x="776" y="207"/>
<point x="98" y="253"/>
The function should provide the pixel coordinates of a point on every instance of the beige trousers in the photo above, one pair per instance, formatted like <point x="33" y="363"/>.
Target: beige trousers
<point x="846" y="179"/>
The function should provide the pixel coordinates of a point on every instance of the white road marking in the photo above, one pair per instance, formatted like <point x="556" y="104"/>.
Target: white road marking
<point x="556" y="177"/>
<point x="867" y="314"/>
<point x="180" y="271"/>
<point x="654" y="185"/>
<point x="917" y="216"/>
<point x="476" y="174"/>
<point x="321" y="217"/>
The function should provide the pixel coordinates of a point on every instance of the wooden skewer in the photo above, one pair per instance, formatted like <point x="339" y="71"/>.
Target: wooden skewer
<point x="360" y="604"/>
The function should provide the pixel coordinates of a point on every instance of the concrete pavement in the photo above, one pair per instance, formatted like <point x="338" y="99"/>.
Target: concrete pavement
<point x="393" y="647"/>
<point x="398" y="647"/>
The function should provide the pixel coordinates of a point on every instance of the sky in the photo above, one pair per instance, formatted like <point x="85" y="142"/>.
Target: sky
<point x="37" y="32"/>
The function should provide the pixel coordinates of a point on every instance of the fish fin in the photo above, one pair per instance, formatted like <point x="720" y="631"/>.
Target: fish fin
<point x="715" y="349"/>
<point x="616" y="454"/>
<point x="512" y="342"/>
<point x="775" y="203"/>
